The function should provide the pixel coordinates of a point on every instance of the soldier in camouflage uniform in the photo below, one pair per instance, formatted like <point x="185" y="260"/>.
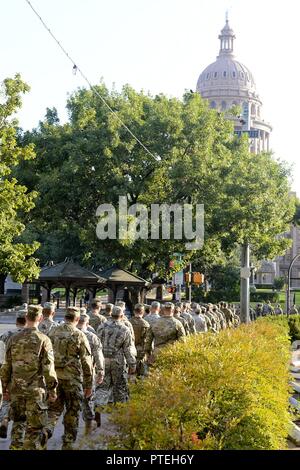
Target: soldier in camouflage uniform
<point x="188" y="317"/>
<point x="96" y="319"/>
<point x="177" y="315"/>
<point x="98" y="365"/>
<point x="28" y="367"/>
<point x="228" y="314"/>
<point x="141" y="329"/>
<point x="107" y="311"/>
<point x="200" y="321"/>
<point x="74" y="368"/>
<point x="154" y="315"/>
<point x="116" y="342"/>
<point x="4" y="337"/>
<point x="166" y="330"/>
<point x="48" y="323"/>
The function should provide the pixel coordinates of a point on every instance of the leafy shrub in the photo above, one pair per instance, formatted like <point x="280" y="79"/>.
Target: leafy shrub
<point x="291" y="324"/>
<point x="13" y="301"/>
<point x="225" y="391"/>
<point x="264" y="296"/>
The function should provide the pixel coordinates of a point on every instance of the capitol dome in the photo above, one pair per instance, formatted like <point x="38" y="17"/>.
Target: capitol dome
<point x="226" y="83"/>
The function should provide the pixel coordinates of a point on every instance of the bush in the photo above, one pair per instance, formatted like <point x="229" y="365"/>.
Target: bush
<point x="225" y="391"/>
<point x="291" y="324"/>
<point x="13" y="301"/>
<point x="264" y="296"/>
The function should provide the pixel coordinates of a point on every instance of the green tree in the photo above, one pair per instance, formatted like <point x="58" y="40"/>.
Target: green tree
<point x="15" y="254"/>
<point x="194" y="158"/>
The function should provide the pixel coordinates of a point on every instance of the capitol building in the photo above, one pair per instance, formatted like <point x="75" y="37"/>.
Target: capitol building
<point x="227" y="83"/>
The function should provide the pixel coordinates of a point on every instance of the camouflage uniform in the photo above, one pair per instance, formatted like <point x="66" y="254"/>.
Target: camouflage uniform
<point x="47" y="325"/>
<point x="141" y="329"/>
<point x="183" y="321"/>
<point x="165" y="331"/>
<point x="152" y="318"/>
<point x="117" y="349"/>
<point x="73" y="364"/>
<point x="200" y="322"/>
<point x="29" y="364"/>
<point x="98" y="363"/>
<point x="96" y="320"/>
<point x="4" y="337"/>
<point x="190" y="320"/>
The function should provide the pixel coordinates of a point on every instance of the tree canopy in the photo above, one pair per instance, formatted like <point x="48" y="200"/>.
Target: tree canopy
<point x="15" y="201"/>
<point x="195" y="158"/>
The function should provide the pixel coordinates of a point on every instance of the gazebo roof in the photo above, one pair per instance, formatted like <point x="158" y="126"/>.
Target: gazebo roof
<point x="116" y="275"/>
<point x="70" y="273"/>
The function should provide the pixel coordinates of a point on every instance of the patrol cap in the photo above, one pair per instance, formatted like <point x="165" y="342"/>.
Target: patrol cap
<point x="72" y="313"/>
<point x="117" y="312"/>
<point x="96" y="302"/>
<point x="168" y="305"/>
<point x="49" y="306"/>
<point x="139" y="307"/>
<point x="21" y="314"/>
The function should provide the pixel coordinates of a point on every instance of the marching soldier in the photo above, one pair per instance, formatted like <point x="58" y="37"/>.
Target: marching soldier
<point x="117" y="350"/>
<point x="48" y="323"/>
<point x="29" y="365"/>
<point x="141" y="329"/>
<point x="73" y="364"/>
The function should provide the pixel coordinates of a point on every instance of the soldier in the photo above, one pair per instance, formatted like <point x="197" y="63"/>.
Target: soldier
<point x="278" y="310"/>
<point x="4" y="337"/>
<point x="258" y="310"/>
<point x="83" y="311"/>
<point x="147" y="309"/>
<point x="73" y="364"/>
<point x="28" y="367"/>
<point x="154" y="315"/>
<point x="177" y="315"/>
<point x="116" y="341"/>
<point x="108" y="311"/>
<point x="220" y="316"/>
<point x="293" y="310"/>
<point x="200" y="322"/>
<point x="98" y="365"/>
<point x="141" y="329"/>
<point x="124" y="319"/>
<point x="228" y="314"/>
<point x="166" y="330"/>
<point x="48" y="323"/>
<point x="95" y="318"/>
<point x="188" y="317"/>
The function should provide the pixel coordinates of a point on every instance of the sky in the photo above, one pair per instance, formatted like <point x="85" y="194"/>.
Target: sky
<point x="159" y="46"/>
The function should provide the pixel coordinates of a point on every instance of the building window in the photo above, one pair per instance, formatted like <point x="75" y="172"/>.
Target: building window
<point x="224" y="105"/>
<point x="224" y="74"/>
<point x="213" y="105"/>
<point x="215" y="74"/>
<point x="233" y="74"/>
<point x="207" y="76"/>
<point x="242" y="74"/>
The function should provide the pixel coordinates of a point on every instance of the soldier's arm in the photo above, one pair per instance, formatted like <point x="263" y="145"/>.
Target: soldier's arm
<point x="98" y="355"/>
<point x="149" y="341"/>
<point x="48" y="366"/>
<point x="192" y="326"/>
<point x="6" y="369"/>
<point x="180" y="331"/>
<point x="127" y="350"/>
<point x="86" y="362"/>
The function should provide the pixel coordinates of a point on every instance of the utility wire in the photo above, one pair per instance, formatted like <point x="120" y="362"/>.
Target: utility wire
<point x="92" y="87"/>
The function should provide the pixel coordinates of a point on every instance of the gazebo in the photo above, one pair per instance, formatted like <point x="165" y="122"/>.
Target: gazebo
<point x="70" y="276"/>
<point x="117" y="279"/>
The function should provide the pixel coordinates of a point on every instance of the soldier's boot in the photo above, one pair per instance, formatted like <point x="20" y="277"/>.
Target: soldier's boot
<point x="98" y="416"/>
<point x="3" y="428"/>
<point x="90" y="426"/>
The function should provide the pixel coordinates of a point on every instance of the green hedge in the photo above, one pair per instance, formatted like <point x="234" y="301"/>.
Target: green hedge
<point x="264" y="296"/>
<point x="225" y="391"/>
<point x="291" y="324"/>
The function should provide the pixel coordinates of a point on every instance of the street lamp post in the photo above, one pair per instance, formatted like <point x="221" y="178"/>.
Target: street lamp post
<point x="289" y="283"/>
